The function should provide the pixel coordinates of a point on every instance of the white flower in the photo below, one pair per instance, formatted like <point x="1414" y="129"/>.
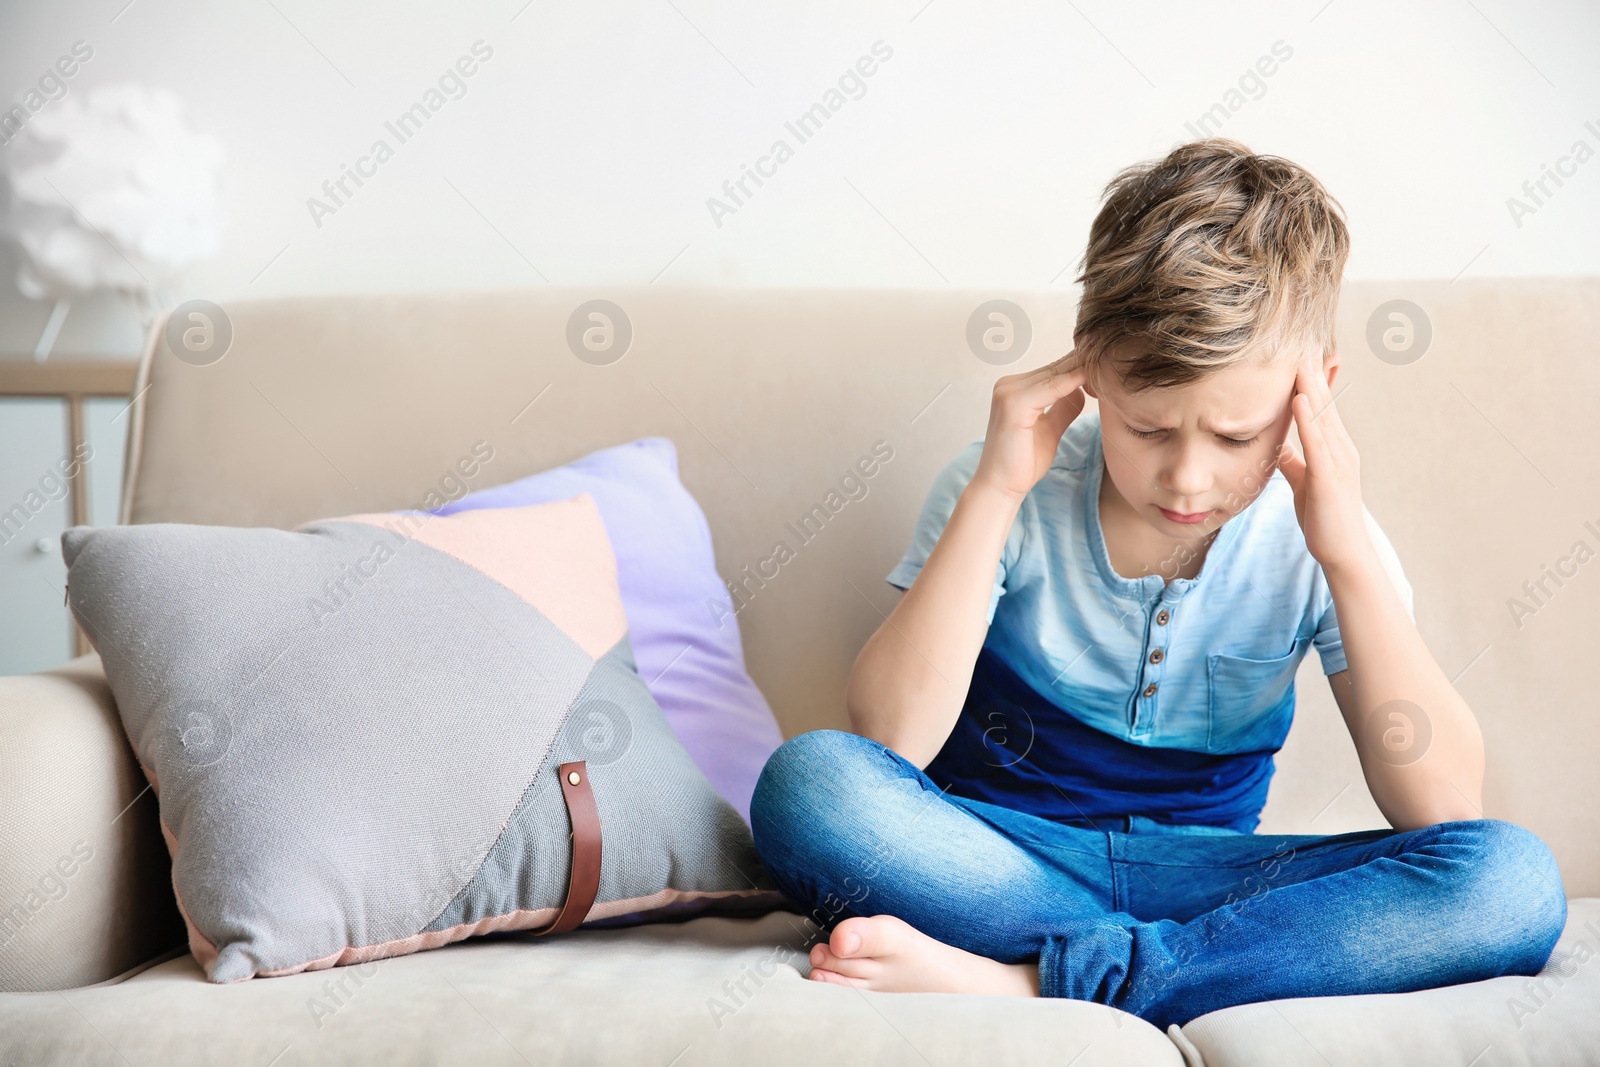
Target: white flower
<point x="112" y="191"/>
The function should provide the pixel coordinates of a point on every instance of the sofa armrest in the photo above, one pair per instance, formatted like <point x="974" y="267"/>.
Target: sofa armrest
<point x="85" y="879"/>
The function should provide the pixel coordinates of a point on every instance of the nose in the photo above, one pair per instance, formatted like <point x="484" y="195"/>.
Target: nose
<point x="1187" y="477"/>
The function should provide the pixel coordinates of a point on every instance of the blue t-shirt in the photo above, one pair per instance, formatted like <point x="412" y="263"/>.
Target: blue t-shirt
<point x="1098" y="695"/>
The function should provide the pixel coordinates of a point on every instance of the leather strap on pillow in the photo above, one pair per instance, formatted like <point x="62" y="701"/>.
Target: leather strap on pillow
<point x="583" y="882"/>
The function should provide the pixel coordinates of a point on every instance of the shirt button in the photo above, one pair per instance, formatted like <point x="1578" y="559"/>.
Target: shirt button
<point x="1155" y="657"/>
<point x="1162" y="616"/>
<point x="1150" y="690"/>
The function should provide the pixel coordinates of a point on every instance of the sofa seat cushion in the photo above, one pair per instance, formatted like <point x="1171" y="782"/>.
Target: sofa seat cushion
<point x="1548" y="1020"/>
<point x="708" y="991"/>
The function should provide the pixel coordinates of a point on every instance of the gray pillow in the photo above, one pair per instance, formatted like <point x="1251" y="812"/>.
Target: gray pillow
<point x="355" y="729"/>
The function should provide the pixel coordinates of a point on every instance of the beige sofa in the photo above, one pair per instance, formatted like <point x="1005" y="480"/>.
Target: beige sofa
<point x="1478" y="458"/>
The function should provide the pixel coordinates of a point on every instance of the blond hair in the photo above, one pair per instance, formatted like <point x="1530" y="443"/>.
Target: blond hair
<point x="1205" y="257"/>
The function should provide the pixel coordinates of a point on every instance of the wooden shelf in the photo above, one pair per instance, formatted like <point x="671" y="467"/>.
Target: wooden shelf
<point x="67" y="376"/>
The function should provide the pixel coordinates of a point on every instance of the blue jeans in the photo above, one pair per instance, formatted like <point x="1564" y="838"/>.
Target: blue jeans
<point x="1167" y="923"/>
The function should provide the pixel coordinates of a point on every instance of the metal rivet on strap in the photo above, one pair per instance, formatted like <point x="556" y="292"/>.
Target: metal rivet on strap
<point x="573" y="777"/>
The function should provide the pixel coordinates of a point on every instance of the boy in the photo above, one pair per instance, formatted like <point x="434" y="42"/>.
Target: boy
<point x="1057" y="796"/>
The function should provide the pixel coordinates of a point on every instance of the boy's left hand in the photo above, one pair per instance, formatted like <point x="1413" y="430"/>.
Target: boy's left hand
<point x="1327" y="479"/>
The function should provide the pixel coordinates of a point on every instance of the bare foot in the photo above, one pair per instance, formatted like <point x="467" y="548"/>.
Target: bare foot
<point x="888" y="954"/>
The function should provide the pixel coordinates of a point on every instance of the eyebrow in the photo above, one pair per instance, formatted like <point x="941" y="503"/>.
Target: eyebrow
<point x="1249" y="429"/>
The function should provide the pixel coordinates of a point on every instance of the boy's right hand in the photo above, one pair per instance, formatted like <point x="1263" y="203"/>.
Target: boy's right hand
<point x="1023" y="436"/>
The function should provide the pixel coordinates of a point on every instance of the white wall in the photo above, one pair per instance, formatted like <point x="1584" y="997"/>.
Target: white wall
<point x="586" y="147"/>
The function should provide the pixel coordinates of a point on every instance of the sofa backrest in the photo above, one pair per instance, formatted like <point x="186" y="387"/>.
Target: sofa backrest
<point x="1477" y="459"/>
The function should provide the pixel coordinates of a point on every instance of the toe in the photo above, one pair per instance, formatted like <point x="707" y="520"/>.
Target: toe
<point x="835" y="978"/>
<point x="850" y="967"/>
<point x="864" y="937"/>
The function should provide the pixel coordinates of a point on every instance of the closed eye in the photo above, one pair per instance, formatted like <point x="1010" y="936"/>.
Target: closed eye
<point x="1232" y="442"/>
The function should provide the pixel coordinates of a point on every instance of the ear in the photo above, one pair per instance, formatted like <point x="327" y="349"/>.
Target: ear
<point x="1330" y="367"/>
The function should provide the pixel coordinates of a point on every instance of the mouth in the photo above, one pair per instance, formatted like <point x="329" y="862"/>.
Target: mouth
<point x="1186" y="519"/>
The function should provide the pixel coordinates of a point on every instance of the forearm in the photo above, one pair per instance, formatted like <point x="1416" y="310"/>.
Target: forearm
<point x="911" y="678"/>
<point x="1389" y="661"/>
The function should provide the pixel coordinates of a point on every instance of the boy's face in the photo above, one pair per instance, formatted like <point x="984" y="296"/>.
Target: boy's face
<point x="1188" y="458"/>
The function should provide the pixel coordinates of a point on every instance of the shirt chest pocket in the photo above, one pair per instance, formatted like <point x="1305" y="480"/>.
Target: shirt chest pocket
<point x="1251" y="701"/>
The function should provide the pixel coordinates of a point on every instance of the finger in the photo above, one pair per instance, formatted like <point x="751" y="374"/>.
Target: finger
<point x="1306" y="379"/>
<point x="1063" y="411"/>
<point x="1051" y="383"/>
<point x="1331" y="420"/>
<point x="1313" y="373"/>
<point x="1293" y="466"/>
<point x="1317" y="388"/>
<point x="1313" y="444"/>
<point x="1067" y="364"/>
<point x="1071" y="353"/>
<point x="1324" y="440"/>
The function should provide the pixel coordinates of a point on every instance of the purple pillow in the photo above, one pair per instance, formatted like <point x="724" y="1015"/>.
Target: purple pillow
<point x="668" y="574"/>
